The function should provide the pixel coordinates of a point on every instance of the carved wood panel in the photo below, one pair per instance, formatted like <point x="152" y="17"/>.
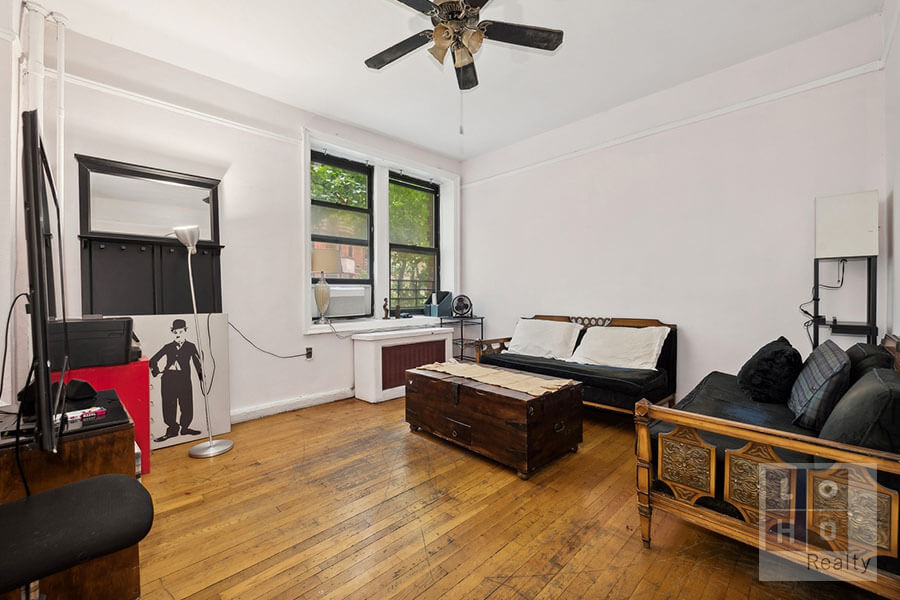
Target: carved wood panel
<point x="756" y="481"/>
<point x="591" y="321"/>
<point x="687" y="464"/>
<point x="851" y="512"/>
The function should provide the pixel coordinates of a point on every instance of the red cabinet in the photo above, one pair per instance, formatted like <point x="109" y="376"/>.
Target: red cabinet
<point x="132" y="383"/>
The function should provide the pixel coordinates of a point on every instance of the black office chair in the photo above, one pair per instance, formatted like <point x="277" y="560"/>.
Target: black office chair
<point x="69" y="525"/>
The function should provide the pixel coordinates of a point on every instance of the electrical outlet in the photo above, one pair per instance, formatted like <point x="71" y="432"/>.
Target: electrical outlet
<point x="309" y="353"/>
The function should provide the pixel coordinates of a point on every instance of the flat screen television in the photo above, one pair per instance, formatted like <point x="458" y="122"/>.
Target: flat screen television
<point x="48" y="398"/>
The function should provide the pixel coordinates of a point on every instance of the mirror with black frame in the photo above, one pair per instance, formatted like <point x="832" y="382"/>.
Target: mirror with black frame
<point x="131" y="262"/>
<point x="136" y="201"/>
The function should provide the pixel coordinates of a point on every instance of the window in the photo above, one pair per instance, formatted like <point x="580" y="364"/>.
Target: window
<point x="414" y="242"/>
<point x="382" y="230"/>
<point x="341" y="218"/>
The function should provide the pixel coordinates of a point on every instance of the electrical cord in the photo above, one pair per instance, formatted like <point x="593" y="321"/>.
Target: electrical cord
<point x="249" y="341"/>
<point x="807" y="325"/>
<point x="19" y="433"/>
<point x="840" y="282"/>
<point x="6" y="343"/>
<point x="347" y="336"/>
<point x="212" y="376"/>
<point x="18" y="454"/>
<point x="330" y="324"/>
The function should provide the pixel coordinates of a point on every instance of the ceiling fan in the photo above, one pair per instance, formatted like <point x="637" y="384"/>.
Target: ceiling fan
<point x="457" y="28"/>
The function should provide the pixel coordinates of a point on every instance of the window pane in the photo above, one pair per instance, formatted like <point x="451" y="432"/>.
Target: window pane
<point x="339" y="186"/>
<point x="339" y="223"/>
<point x="413" y="276"/>
<point x="411" y="216"/>
<point x="354" y="261"/>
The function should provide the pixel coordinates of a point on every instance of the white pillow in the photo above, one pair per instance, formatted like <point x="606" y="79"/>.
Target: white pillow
<point x="547" y="339"/>
<point x="629" y="347"/>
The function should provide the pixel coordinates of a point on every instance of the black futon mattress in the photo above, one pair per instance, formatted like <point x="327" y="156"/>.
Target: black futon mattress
<point x="613" y="386"/>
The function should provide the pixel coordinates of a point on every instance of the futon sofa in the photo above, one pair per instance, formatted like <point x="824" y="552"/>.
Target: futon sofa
<point x="762" y="474"/>
<point x="610" y="388"/>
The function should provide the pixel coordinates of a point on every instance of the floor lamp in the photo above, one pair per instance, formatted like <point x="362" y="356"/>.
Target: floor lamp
<point x="189" y="235"/>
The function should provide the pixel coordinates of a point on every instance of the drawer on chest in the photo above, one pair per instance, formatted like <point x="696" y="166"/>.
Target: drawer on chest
<point x="457" y="430"/>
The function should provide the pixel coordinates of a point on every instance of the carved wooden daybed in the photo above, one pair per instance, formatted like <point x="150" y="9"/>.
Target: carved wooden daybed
<point x="705" y="463"/>
<point x="609" y="388"/>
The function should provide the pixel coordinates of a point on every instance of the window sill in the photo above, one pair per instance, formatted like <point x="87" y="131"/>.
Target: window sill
<point x="372" y="325"/>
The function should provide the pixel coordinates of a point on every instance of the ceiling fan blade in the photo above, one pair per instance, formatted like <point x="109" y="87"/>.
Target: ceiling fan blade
<point x="466" y="76"/>
<point x="477" y="3"/>
<point x="400" y="50"/>
<point x="522" y="35"/>
<point x="423" y="6"/>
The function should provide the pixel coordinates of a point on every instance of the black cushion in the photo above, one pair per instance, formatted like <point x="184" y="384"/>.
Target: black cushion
<point x="868" y="414"/>
<point x="66" y="526"/>
<point x="819" y="386"/>
<point x="865" y="357"/>
<point x="640" y="383"/>
<point x="720" y="395"/>
<point x="770" y="373"/>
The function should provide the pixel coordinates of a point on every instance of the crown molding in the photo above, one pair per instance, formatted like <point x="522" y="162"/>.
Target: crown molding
<point x="171" y="107"/>
<point x="864" y="69"/>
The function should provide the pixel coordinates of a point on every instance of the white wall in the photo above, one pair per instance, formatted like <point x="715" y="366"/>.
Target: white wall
<point x="892" y="153"/>
<point x="8" y="170"/>
<point x="694" y="206"/>
<point x="261" y="207"/>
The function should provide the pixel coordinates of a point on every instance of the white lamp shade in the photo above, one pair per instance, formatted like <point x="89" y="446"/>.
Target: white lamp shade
<point x="188" y="235"/>
<point x="326" y="260"/>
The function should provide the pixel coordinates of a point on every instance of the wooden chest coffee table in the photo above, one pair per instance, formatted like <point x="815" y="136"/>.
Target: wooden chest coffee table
<point x="516" y="429"/>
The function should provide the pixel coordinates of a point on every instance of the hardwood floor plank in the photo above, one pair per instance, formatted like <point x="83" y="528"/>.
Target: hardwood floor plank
<point x="343" y="501"/>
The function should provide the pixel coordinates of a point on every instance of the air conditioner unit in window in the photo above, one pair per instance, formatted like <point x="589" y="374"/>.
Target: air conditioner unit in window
<point x="348" y="301"/>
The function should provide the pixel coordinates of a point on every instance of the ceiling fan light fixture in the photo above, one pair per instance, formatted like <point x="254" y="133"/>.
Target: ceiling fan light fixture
<point x="473" y="38"/>
<point x="456" y="26"/>
<point x="438" y="52"/>
<point x="443" y="39"/>
<point x="462" y="56"/>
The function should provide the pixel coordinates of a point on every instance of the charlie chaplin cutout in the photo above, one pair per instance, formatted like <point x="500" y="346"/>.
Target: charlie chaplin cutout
<point x="177" y="391"/>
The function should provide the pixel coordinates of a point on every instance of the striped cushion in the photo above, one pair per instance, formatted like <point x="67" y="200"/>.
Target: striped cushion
<point x="822" y="381"/>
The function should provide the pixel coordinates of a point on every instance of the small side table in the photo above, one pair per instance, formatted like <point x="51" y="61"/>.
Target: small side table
<point x="462" y="343"/>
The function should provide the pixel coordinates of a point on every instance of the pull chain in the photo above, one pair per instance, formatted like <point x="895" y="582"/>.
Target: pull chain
<point x="462" y="139"/>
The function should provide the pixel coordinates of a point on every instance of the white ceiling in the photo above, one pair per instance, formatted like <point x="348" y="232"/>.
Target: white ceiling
<point x="310" y="54"/>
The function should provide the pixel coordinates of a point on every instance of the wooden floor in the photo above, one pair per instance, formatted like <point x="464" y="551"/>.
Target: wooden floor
<point x="342" y="501"/>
